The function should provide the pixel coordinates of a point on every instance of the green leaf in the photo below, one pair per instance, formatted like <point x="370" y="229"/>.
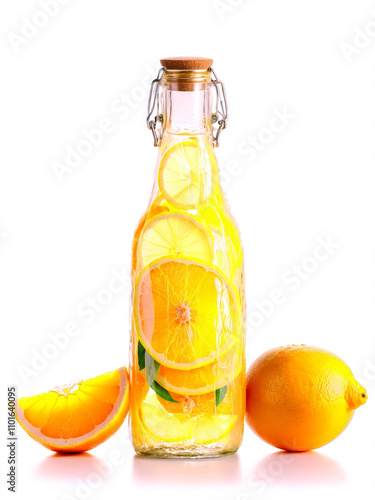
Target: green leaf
<point x="220" y="394"/>
<point x="152" y="368"/>
<point x="141" y="356"/>
<point x="163" y="393"/>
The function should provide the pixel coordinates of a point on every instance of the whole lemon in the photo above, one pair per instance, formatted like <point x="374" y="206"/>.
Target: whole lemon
<point x="300" y="397"/>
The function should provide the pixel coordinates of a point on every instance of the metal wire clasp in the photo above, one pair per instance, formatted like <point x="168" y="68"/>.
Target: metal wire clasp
<point x="154" y="104"/>
<point x="220" y="113"/>
<point x="219" y="116"/>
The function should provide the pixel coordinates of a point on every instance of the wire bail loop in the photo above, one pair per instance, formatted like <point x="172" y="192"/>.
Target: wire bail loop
<point x="219" y="116"/>
<point x="154" y="105"/>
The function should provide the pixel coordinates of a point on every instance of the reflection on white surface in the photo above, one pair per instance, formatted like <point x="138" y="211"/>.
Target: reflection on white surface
<point x="186" y="472"/>
<point x="76" y="466"/>
<point x="308" y="468"/>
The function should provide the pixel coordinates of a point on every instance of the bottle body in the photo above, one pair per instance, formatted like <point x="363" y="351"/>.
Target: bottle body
<point x="188" y="305"/>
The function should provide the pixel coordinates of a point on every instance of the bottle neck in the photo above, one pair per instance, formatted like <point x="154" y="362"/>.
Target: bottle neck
<point x="187" y="112"/>
<point x="187" y="102"/>
<point x="186" y="107"/>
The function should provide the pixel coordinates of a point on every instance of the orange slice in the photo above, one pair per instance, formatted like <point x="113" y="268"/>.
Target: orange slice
<point x="204" y="379"/>
<point x="77" y="417"/>
<point x="186" y="313"/>
<point x="187" y="175"/>
<point x="139" y="387"/>
<point x="174" y="235"/>
<point x="232" y="403"/>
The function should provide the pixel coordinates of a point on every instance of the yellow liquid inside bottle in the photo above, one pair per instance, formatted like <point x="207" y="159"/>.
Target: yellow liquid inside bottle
<point x="187" y="326"/>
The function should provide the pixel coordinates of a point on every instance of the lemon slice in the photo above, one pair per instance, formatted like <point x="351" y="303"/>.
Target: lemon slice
<point x="175" y="427"/>
<point x="212" y="428"/>
<point x="162" y="424"/>
<point x="174" y="235"/>
<point x="186" y="313"/>
<point x="187" y="175"/>
<point x="155" y="208"/>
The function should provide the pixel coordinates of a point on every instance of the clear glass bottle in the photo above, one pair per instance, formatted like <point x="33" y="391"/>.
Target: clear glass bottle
<point x="187" y="315"/>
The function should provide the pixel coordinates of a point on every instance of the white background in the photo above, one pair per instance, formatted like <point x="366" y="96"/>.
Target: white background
<point x="62" y="241"/>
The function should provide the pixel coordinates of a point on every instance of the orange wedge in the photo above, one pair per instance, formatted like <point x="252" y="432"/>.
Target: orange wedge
<point x="186" y="313"/>
<point x="77" y="417"/>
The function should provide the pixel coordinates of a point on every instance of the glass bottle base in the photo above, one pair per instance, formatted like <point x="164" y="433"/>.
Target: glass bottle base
<point x="197" y="452"/>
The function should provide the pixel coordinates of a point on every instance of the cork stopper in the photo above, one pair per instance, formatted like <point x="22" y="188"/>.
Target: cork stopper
<point x="187" y="63"/>
<point x="186" y="73"/>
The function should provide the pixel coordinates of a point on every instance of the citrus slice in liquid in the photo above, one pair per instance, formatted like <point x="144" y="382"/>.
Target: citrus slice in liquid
<point x="77" y="417"/>
<point x="174" y="235"/>
<point x="204" y="379"/>
<point x="227" y="244"/>
<point x="187" y="175"/>
<point x="186" y="313"/>
<point x="154" y="209"/>
<point x="139" y="387"/>
<point x="232" y="403"/>
<point x="177" y="427"/>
